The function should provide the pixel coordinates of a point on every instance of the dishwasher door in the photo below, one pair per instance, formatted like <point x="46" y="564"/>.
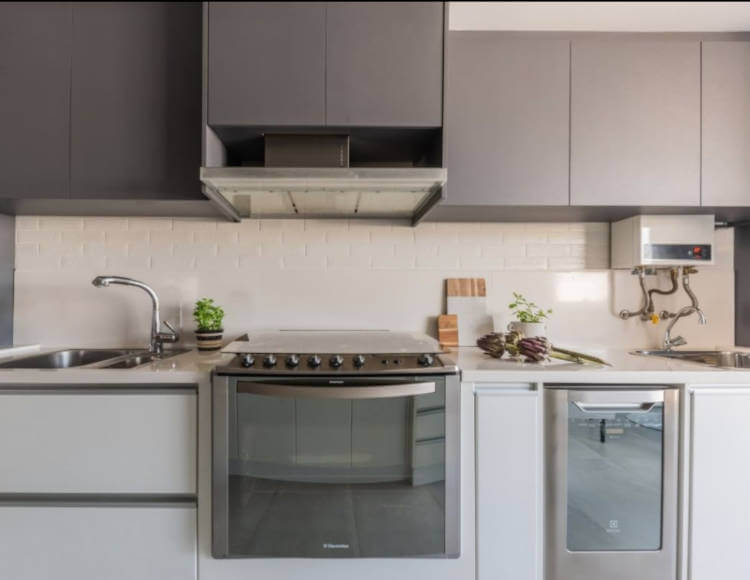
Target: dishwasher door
<point x="611" y="497"/>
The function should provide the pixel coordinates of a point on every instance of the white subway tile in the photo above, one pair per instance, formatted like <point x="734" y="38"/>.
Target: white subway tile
<point x="504" y="250"/>
<point x="216" y="237"/>
<point x="480" y="263"/>
<point x="279" y="249"/>
<point x="39" y="263"/>
<point x="379" y="249"/>
<point x="285" y="225"/>
<point x="417" y="249"/>
<point x="195" y="250"/>
<point x="60" y="223"/>
<point x="522" y="235"/>
<point x="26" y="251"/>
<point x="83" y="236"/>
<point x="406" y="262"/>
<point x="457" y="250"/>
<point x="303" y="237"/>
<point x="348" y="262"/>
<point x="260" y="262"/>
<point x="148" y="249"/>
<point x="149" y="224"/>
<point x="525" y="263"/>
<point x="328" y="225"/>
<point x="105" y="249"/>
<point x="435" y="237"/>
<point x="83" y="262"/>
<point x="246" y="225"/>
<point x="126" y="237"/>
<point x="567" y="263"/>
<point x="105" y="224"/>
<point x="118" y="264"/>
<point x="36" y="236"/>
<point x="481" y="237"/>
<point x="170" y="237"/>
<point x="179" y="263"/>
<point x="401" y="235"/>
<point x="547" y="250"/>
<point x="303" y="262"/>
<point x="217" y="263"/>
<point x="193" y="224"/>
<point x="60" y="248"/>
<point x="27" y="222"/>
<point x="237" y="250"/>
<point x="321" y="249"/>
<point x="341" y="236"/>
<point x="437" y="263"/>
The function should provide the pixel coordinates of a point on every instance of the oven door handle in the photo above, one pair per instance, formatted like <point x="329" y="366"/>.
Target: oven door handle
<point x="332" y="392"/>
<point x="643" y="407"/>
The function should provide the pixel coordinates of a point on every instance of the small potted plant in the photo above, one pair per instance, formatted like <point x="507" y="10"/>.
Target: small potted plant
<point x="208" y="318"/>
<point x="529" y="317"/>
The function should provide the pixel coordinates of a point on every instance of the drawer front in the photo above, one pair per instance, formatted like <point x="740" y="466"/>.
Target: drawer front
<point x="86" y="542"/>
<point x="54" y="442"/>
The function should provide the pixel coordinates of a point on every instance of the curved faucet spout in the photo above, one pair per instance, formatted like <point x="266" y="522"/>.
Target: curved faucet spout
<point x="157" y="337"/>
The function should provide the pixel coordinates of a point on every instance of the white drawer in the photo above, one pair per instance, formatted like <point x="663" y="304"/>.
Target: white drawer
<point x="102" y="442"/>
<point x="93" y="542"/>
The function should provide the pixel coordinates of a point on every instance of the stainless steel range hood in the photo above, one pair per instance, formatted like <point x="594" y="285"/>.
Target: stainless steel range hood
<point x="367" y="192"/>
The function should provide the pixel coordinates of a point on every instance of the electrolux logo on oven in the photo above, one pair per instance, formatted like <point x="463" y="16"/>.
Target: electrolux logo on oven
<point x="328" y="546"/>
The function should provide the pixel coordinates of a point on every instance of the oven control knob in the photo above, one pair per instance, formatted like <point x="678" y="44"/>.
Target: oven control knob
<point x="426" y="360"/>
<point x="248" y="360"/>
<point x="292" y="361"/>
<point x="269" y="361"/>
<point x="359" y="361"/>
<point x="314" y="361"/>
<point x="336" y="361"/>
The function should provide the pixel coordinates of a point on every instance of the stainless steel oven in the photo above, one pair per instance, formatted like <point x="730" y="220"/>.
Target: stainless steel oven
<point x="332" y="463"/>
<point x="611" y="473"/>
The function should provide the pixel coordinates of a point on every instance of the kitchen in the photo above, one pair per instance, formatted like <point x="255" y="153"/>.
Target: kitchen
<point x="323" y="169"/>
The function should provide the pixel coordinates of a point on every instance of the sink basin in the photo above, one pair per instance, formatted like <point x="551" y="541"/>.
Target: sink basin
<point x="143" y="358"/>
<point x="63" y="359"/>
<point x="715" y="358"/>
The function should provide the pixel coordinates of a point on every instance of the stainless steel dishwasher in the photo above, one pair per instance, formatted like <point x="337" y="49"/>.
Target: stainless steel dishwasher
<point x="611" y="477"/>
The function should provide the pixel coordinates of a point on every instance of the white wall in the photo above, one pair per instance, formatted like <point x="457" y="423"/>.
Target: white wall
<point x="333" y="274"/>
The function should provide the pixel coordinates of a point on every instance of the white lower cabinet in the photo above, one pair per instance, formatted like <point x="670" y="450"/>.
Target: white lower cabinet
<point x="97" y="543"/>
<point x="509" y="497"/>
<point x="719" y="521"/>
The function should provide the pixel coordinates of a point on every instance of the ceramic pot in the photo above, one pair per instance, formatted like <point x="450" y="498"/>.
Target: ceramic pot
<point x="209" y="339"/>
<point x="529" y="329"/>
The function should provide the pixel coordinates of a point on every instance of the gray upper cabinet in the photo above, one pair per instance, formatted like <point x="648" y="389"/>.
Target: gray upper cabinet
<point x="136" y="100"/>
<point x="35" y="54"/>
<point x="266" y="63"/>
<point x="506" y="119"/>
<point x="384" y="64"/>
<point x="726" y="123"/>
<point x="635" y="122"/>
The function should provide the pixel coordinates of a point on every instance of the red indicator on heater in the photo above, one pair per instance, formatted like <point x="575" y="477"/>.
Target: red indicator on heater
<point x="697" y="251"/>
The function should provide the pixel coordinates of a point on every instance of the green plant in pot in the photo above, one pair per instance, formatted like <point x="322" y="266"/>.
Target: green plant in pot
<point x="208" y="317"/>
<point x="529" y="317"/>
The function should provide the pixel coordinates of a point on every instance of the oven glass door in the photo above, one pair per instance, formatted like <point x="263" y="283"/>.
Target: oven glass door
<point x="614" y="488"/>
<point x="336" y="471"/>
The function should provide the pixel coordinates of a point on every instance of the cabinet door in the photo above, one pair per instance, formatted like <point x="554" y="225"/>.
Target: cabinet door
<point x="125" y="442"/>
<point x="34" y="98"/>
<point x="506" y="120"/>
<point x="136" y="100"/>
<point x="509" y="482"/>
<point x="266" y="63"/>
<point x="384" y="64"/>
<point x="726" y="123"/>
<point x="635" y="123"/>
<point x="87" y="542"/>
<point x="720" y="504"/>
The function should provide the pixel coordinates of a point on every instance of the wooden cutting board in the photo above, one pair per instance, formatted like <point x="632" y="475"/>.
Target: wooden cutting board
<point x="448" y="330"/>
<point x="467" y="299"/>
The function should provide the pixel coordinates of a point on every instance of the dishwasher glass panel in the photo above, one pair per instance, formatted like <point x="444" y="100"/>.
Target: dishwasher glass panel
<point x="614" y="479"/>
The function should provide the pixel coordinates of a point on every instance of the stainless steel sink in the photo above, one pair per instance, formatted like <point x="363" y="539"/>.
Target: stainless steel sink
<point x="88" y="358"/>
<point x="715" y="358"/>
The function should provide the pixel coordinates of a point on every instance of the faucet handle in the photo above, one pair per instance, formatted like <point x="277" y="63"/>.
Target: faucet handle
<point x="166" y="337"/>
<point x="677" y="341"/>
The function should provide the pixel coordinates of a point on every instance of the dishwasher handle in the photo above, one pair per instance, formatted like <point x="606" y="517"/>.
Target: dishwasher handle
<point x="375" y="391"/>
<point x="642" y="407"/>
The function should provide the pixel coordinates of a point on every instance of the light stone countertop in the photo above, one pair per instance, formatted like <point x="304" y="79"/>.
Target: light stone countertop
<point x="193" y="367"/>
<point x="626" y="369"/>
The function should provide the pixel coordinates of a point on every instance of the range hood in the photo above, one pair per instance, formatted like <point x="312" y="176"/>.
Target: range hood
<point x="324" y="192"/>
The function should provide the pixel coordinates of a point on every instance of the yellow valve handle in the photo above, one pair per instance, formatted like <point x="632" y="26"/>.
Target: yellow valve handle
<point x="655" y="318"/>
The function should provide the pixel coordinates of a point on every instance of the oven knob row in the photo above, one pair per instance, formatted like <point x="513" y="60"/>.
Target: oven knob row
<point x="359" y="361"/>
<point x="426" y="360"/>
<point x="269" y="361"/>
<point x="336" y="361"/>
<point x="314" y="361"/>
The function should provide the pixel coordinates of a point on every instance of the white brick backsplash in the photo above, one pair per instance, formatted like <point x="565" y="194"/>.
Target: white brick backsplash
<point x="83" y="262"/>
<point x="180" y="244"/>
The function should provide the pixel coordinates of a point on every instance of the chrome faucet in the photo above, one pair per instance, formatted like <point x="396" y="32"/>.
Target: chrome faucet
<point x="158" y="338"/>
<point x="670" y="342"/>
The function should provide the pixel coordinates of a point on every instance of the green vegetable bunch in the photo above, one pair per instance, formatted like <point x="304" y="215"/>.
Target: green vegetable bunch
<point x="207" y="315"/>
<point x="526" y="311"/>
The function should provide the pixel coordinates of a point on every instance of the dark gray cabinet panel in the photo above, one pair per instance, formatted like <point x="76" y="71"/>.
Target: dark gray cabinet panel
<point x="34" y="98"/>
<point x="136" y="100"/>
<point x="726" y="124"/>
<point x="506" y="120"/>
<point x="635" y="122"/>
<point x="266" y="63"/>
<point x="384" y="64"/>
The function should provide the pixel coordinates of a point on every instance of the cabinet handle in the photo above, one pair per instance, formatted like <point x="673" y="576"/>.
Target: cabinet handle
<point x="364" y="392"/>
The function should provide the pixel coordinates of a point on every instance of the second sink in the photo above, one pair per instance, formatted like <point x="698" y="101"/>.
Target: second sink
<point x="715" y="358"/>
